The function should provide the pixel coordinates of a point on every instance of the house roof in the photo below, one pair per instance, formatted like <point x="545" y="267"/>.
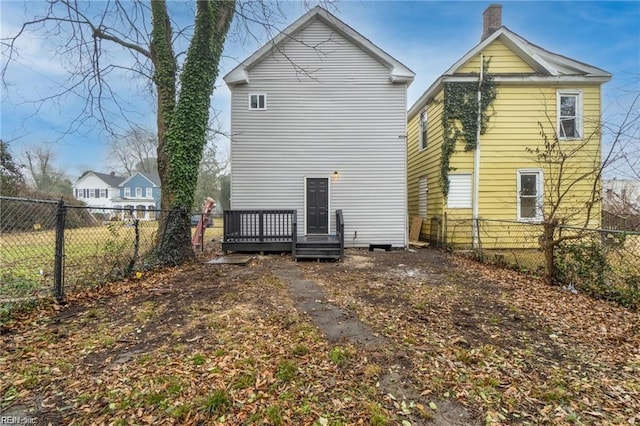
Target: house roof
<point x="399" y="73"/>
<point x="151" y="177"/>
<point x="548" y="67"/>
<point x="110" y="179"/>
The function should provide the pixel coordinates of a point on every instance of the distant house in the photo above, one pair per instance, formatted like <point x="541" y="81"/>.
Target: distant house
<point x="98" y="189"/>
<point x="533" y="86"/>
<point x="140" y="193"/>
<point x="102" y="192"/>
<point x="319" y="124"/>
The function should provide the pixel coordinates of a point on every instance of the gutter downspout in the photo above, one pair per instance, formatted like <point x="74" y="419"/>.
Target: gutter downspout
<point x="476" y="164"/>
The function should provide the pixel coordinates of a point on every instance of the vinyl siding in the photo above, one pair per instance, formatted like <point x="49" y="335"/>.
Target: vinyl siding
<point x="513" y="127"/>
<point x="329" y="109"/>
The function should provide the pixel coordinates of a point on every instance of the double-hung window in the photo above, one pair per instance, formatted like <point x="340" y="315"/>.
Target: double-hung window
<point x="138" y="192"/>
<point x="569" y="104"/>
<point x="149" y="192"/>
<point x="257" y="101"/>
<point x="423" y="130"/>
<point x="127" y="191"/>
<point x="529" y="195"/>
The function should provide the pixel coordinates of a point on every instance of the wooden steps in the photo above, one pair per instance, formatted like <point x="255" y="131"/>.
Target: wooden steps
<point x="318" y="247"/>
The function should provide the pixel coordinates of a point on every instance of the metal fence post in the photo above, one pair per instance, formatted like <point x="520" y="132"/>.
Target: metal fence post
<point x="58" y="272"/>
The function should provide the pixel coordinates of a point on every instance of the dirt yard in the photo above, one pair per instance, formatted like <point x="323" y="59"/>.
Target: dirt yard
<point x="382" y="338"/>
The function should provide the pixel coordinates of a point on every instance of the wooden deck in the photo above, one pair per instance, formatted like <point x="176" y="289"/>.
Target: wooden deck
<point x="269" y="231"/>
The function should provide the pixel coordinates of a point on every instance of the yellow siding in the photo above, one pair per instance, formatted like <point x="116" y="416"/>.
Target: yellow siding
<point x="503" y="61"/>
<point x="514" y="127"/>
<point x="425" y="163"/>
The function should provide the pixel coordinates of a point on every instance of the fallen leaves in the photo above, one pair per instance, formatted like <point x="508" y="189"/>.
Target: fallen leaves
<point x="227" y="344"/>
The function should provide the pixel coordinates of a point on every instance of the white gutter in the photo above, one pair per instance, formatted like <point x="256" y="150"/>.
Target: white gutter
<point x="476" y="164"/>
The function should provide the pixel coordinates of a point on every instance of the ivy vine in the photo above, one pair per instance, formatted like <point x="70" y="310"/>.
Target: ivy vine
<point x="460" y="117"/>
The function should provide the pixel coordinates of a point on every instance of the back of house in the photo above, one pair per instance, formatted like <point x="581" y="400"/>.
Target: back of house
<point x="318" y="124"/>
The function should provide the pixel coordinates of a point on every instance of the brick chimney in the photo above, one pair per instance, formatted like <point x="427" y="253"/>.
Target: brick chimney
<point x="491" y="20"/>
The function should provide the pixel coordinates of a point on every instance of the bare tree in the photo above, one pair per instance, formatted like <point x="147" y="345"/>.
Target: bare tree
<point x="573" y="179"/>
<point x="183" y="82"/>
<point x="212" y="166"/>
<point x="42" y="171"/>
<point x="134" y="151"/>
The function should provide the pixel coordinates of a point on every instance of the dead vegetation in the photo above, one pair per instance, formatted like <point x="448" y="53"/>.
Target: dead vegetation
<point x="208" y="344"/>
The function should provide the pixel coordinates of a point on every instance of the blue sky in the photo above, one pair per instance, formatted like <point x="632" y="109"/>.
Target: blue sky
<point x="427" y="36"/>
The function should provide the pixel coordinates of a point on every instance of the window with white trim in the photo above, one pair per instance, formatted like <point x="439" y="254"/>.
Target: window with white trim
<point x="127" y="191"/>
<point x="459" y="191"/>
<point x="422" y="197"/>
<point x="149" y="192"/>
<point x="138" y="192"/>
<point x="257" y="101"/>
<point x="569" y="105"/>
<point x="423" y="129"/>
<point x="103" y="193"/>
<point x="529" y="195"/>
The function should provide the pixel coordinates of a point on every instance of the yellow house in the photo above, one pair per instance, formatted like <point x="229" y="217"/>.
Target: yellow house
<point x="505" y="175"/>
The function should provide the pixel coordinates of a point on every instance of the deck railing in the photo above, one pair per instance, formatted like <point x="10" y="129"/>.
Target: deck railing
<point x="265" y="230"/>
<point x="340" y="231"/>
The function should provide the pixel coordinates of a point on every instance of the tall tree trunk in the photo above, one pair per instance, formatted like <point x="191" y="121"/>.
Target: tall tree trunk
<point x="182" y="125"/>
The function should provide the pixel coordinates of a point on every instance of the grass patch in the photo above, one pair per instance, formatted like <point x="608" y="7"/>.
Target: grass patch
<point x="339" y="356"/>
<point x="217" y="403"/>
<point x="286" y="371"/>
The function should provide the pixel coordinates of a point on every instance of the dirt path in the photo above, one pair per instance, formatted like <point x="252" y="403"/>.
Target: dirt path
<point x="427" y="338"/>
<point x="340" y="326"/>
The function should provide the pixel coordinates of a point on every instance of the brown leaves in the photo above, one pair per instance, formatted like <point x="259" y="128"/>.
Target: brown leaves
<point x="207" y="344"/>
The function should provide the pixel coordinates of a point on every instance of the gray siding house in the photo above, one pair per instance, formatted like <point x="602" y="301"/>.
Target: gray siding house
<point x="318" y="124"/>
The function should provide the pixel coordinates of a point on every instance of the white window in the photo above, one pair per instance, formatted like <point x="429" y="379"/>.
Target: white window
<point x="529" y="195"/>
<point x="138" y="192"/>
<point x="149" y="193"/>
<point x="257" y="101"/>
<point x="103" y="193"/>
<point x="423" y="130"/>
<point x="569" y="104"/>
<point x="422" y="197"/>
<point x="127" y="192"/>
<point x="459" y="191"/>
<point x="92" y="193"/>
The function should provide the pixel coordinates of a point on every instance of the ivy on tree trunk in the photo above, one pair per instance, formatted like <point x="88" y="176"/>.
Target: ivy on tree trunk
<point x="183" y="119"/>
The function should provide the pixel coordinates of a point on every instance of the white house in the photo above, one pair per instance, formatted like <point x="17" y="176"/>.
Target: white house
<point x="318" y="124"/>
<point x="98" y="189"/>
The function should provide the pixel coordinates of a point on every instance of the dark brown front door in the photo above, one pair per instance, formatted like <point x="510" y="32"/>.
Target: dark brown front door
<point x="317" y="206"/>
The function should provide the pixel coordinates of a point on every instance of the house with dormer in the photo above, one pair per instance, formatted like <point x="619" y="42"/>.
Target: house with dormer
<point x="139" y="193"/>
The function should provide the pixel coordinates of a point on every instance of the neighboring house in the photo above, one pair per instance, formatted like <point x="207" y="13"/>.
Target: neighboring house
<point x="104" y="192"/>
<point x="318" y="118"/>
<point x="97" y="189"/>
<point x="141" y="193"/>
<point x="621" y="204"/>
<point x="533" y="87"/>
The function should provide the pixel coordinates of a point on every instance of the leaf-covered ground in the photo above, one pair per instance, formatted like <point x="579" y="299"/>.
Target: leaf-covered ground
<point x="209" y="344"/>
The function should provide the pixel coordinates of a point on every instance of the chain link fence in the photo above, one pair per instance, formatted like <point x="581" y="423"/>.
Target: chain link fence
<point x="604" y="263"/>
<point x="52" y="248"/>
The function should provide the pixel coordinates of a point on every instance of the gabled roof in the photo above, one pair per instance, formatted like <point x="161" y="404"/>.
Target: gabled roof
<point x="152" y="178"/>
<point x="399" y="73"/>
<point x="110" y="179"/>
<point x="548" y="66"/>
